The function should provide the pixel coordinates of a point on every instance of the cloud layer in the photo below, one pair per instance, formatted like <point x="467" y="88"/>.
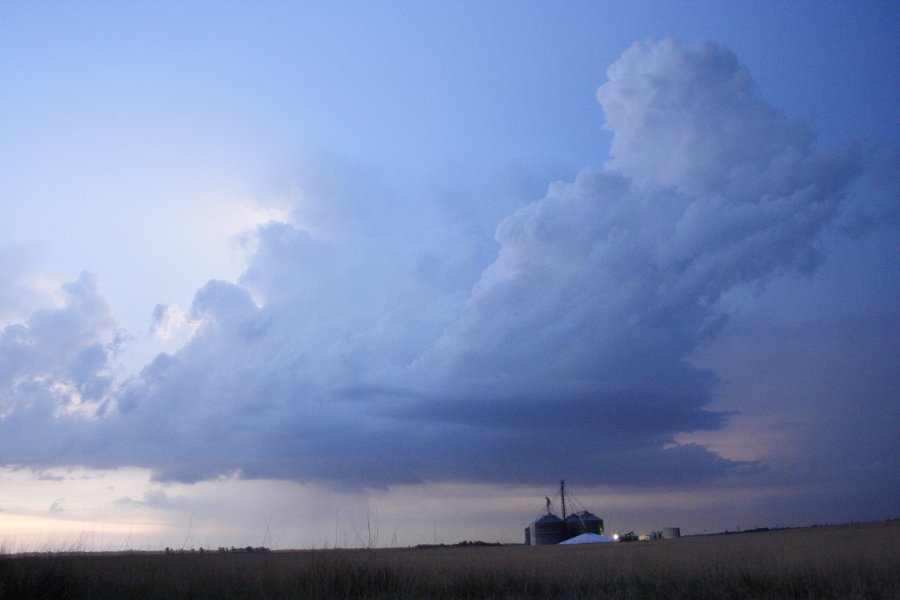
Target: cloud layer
<point x="386" y="346"/>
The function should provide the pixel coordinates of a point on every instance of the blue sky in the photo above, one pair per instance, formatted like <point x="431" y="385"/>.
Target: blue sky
<point x="425" y="256"/>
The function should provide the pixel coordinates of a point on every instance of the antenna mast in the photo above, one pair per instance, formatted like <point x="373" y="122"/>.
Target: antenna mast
<point x="562" y="494"/>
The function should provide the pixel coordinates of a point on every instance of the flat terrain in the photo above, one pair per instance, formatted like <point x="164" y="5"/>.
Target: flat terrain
<point x="848" y="561"/>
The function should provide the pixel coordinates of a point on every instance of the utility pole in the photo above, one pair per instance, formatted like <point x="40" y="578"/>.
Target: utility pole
<point x="562" y="494"/>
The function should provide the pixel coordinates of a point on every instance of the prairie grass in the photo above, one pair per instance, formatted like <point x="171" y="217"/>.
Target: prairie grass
<point x="850" y="561"/>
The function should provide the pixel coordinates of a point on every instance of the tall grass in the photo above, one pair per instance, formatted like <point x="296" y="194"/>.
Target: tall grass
<point x="828" y="562"/>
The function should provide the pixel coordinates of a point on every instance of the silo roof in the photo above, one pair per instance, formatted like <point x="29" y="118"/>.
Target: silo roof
<point x="583" y="516"/>
<point x="548" y="518"/>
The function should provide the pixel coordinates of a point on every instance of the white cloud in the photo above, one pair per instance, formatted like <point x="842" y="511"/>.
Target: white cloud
<point x="59" y="358"/>
<point x="171" y="321"/>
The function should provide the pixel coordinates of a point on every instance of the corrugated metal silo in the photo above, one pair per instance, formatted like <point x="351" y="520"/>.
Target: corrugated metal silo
<point x="549" y="529"/>
<point x="583" y="522"/>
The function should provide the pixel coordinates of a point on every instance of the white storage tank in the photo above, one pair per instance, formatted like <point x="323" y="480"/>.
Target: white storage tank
<point x="670" y="533"/>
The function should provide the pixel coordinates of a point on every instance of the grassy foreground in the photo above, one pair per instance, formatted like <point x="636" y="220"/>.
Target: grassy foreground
<point x="850" y="561"/>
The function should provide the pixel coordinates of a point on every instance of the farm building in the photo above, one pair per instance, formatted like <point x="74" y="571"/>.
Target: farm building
<point x="551" y="529"/>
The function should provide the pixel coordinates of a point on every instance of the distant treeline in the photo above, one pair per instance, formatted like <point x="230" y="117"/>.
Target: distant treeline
<point x="463" y="544"/>
<point x="221" y="549"/>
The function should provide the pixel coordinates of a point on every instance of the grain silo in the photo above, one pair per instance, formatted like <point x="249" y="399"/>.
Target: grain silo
<point x="583" y="522"/>
<point x="548" y="529"/>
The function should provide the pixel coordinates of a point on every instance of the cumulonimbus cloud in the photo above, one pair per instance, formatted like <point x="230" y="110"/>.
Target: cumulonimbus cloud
<point x="342" y="362"/>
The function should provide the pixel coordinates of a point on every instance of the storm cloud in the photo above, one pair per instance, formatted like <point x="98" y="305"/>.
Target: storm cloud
<point x="386" y="351"/>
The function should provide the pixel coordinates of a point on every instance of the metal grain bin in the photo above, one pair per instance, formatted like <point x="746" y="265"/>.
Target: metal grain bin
<point x="583" y="522"/>
<point x="549" y="529"/>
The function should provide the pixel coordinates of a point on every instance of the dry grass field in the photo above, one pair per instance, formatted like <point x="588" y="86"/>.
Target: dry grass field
<point x="849" y="561"/>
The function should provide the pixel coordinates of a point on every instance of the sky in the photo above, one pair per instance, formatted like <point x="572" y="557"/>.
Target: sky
<point x="380" y="274"/>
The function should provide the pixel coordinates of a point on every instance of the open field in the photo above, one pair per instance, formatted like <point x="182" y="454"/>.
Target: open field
<point x="848" y="561"/>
